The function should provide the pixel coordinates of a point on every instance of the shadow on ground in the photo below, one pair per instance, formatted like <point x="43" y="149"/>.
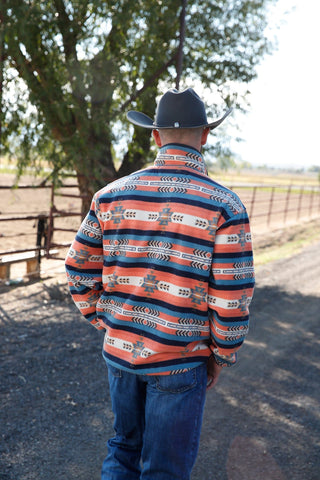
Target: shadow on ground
<point x="261" y="422"/>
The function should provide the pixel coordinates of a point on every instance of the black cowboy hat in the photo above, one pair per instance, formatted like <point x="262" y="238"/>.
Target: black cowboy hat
<point x="177" y="110"/>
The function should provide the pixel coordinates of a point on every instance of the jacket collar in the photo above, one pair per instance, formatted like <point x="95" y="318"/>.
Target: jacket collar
<point x="175" y="154"/>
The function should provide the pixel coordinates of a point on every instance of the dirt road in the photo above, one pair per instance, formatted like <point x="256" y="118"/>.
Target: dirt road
<point x="262" y="422"/>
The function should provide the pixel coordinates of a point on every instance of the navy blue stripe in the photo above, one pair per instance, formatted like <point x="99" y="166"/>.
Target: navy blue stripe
<point x="237" y="256"/>
<point x="154" y="365"/>
<point x="151" y="233"/>
<point x="177" y="342"/>
<point x="229" y="286"/>
<point x="161" y="304"/>
<point x="80" y="290"/>
<point x="209" y="205"/>
<point x="236" y="221"/>
<point x="90" y="316"/>
<point x="226" y="320"/>
<point x="88" y="271"/>
<point x="83" y="241"/>
<point x="152" y="265"/>
<point x="228" y="346"/>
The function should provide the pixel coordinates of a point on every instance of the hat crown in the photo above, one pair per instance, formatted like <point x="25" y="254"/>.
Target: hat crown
<point x="177" y="110"/>
<point x="180" y="110"/>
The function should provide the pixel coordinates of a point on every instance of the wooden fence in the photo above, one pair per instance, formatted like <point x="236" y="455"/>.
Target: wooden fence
<point x="38" y="227"/>
<point x="54" y="216"/>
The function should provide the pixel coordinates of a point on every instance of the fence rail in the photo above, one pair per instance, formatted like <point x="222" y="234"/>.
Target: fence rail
<point x="56" y="221"/>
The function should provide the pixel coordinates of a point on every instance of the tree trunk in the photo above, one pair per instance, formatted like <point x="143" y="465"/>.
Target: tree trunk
<point x="86" y="194"/>
<point x="136" y="158"/>
<point x="138" y="153"/>
<point x="94" y="172"/>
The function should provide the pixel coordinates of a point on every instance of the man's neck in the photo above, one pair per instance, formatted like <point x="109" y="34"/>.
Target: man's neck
<point x="183" y="146"/>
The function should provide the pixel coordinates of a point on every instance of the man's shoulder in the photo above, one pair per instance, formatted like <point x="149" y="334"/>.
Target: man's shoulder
<point x="224" y="195"/>
<point x="123" y="183"/>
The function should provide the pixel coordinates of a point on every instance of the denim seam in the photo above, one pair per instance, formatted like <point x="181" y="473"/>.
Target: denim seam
<point x="197" y="420"/>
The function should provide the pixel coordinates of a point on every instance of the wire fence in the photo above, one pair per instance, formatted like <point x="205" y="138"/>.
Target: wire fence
<point x="270" y="207"/>
<point x="44" y="220"/>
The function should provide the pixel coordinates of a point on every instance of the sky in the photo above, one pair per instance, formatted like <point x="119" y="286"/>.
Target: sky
<point x="282" y="127"/>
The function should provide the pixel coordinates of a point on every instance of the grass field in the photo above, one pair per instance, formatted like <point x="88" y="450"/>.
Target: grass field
<point x="265" y="177"/>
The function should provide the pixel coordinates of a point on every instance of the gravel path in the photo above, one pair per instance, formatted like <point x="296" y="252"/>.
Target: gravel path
<point x="262" y="422"/>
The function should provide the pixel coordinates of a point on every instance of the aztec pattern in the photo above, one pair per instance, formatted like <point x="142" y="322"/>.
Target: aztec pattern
<point x="163" y="264"/>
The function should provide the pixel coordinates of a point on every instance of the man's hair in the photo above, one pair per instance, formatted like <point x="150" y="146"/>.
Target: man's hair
<point x="180" y="135"/>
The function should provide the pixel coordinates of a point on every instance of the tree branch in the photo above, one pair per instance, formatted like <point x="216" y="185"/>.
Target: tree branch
<point x="69" y="35"/>
<point x="147" y="83"/>
<point x="181" y="43"/>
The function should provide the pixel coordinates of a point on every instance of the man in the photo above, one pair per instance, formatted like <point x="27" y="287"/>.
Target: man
<point x="163" y="265"/>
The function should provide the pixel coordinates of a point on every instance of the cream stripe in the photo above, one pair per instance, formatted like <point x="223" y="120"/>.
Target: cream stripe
<point x="222" y="303"/>
<point x="226" y="304"/>
<point x="127" y="346"/>
<point x="174" y="217"/>
<point x="231" y="239"/>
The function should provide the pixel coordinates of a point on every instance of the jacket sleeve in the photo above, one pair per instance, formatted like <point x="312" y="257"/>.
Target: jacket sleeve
<point x="230" y="288"/>
<point x="84" y="264"/>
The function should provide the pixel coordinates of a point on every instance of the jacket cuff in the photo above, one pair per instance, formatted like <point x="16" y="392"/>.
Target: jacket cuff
<point x="224" y="360"/>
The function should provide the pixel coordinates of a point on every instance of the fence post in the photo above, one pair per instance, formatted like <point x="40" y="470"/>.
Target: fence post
<point x="42" y="231"/>
<point x="311" y="202"/>
<point x="50" y="225"/>
<point x="270" y="206"/>
<point x="254" y="191"/>
<point x="300" y="200"/>
<point x="286" y="208"/>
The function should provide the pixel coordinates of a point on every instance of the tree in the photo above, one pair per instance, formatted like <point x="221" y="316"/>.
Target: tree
<point x="85" y="63"/>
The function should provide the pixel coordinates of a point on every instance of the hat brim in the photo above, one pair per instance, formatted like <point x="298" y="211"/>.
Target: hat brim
<point x="142" y="120"/>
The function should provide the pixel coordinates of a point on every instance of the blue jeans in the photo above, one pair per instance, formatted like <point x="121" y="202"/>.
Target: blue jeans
<point x="157" y="425"/>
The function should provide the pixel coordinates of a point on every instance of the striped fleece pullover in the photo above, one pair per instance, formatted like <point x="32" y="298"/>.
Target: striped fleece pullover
<point x="163" y="264"/>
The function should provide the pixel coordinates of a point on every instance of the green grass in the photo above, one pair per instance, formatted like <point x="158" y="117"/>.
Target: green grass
<point x="277" y="253"/>
<point x="288" y="244"/>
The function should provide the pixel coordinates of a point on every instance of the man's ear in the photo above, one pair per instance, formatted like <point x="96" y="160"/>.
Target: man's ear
<point x="157" y="138"/>
<point x="204" y="135"/>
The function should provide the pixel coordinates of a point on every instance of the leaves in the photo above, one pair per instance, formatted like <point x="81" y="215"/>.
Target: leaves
<point x="85" y="63"/>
